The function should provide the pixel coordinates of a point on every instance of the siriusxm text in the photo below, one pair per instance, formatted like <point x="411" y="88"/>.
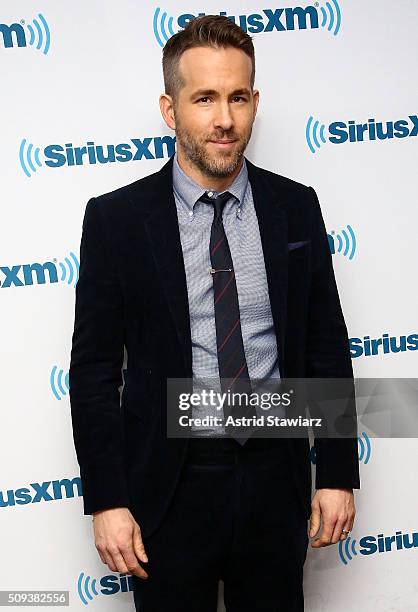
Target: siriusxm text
<point x="269" y="20"/>
<point x="341" y="132"/>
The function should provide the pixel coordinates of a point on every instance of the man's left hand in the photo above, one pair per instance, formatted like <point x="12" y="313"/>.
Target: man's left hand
<point x="337" y="510"/>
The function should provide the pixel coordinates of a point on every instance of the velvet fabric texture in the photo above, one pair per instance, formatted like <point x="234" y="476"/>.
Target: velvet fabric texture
<point x="240" y="522"/>
<point x="132" y="292"/>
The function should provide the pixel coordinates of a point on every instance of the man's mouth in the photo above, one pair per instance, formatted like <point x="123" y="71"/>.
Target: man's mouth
<point x="223" y="144"/>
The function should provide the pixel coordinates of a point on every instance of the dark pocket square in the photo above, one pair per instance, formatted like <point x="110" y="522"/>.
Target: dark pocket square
<point x="296" y="245"/>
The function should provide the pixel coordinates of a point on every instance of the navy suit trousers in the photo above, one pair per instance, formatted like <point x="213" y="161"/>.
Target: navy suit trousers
<point x="234" y="516"/>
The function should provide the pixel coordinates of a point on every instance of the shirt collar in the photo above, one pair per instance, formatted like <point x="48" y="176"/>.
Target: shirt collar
<point x="189" y="191"/>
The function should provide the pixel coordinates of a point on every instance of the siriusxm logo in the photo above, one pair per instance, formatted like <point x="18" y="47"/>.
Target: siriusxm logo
<point x="369" y="347"/>
<point x="35" y="34"/>
<point x="364" y="449"/>
<point x="59" y="382"/>
<point x="22" y="275"/>
<point x="57" y="156"/>
<point x="340" y="132"/>
<point x="267" y="20"/>
<point x="111" y="584"/>
<point x="343" y="242"/>
<point x="35" y="492"/>
<point x="370" y="544"/>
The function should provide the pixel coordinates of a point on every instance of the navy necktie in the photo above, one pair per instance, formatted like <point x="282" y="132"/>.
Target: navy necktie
<point x="232" y="363"/>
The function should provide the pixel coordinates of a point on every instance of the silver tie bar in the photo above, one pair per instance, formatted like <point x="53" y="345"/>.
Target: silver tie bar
<point x="212" y="270"/>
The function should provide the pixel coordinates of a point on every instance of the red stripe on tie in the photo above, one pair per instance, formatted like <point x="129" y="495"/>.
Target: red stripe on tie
<point x="225" y="315"/>
<point x="217" y="245"/>
<point x="224" y="289"/>
<point x="234" y="352"/>
<point x="228" y="336"/>
<point x="238" y="373"/>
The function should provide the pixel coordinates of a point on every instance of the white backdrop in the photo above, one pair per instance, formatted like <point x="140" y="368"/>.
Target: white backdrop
<point x="90" y="72"/>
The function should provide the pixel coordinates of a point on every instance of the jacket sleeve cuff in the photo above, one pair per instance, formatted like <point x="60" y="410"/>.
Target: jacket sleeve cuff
<point x="104" y="487"/>
<point x="337" y="463"/>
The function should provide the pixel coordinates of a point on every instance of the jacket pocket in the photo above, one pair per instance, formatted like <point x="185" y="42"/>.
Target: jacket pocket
<point x="297" y="245"/>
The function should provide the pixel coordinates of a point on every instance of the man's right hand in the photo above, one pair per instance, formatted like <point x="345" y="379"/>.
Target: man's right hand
<point x="118" y="541"/>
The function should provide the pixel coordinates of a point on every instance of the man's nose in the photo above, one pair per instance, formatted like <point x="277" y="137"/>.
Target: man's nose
<point x="223" y="117"/>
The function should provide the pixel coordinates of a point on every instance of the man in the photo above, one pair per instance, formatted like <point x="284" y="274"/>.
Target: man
<point x="178" y="513"/>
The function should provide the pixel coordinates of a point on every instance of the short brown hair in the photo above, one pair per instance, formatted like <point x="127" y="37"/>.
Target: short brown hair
<point x="204" y="31"/>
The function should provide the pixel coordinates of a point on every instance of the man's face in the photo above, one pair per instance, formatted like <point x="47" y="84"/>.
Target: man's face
<point x="215" y="104"/>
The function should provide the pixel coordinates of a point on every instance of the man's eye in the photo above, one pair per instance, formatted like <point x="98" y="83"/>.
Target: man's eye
<point x="235" y="98"/>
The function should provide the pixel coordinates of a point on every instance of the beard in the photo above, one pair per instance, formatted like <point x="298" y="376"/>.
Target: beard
<point x="218" y="165"/>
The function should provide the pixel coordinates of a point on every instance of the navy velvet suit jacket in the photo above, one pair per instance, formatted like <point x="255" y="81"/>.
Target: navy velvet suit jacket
<point x="132" y="292"/>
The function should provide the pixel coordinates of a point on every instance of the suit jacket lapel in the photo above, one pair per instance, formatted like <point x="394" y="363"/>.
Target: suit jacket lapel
<point x="161" y="225"/>
<point x="272" y="222"/>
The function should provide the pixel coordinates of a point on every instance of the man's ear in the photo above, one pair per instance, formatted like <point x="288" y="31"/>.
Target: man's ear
<point x="256" y="98"/>
<point x="167" y="110"/>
